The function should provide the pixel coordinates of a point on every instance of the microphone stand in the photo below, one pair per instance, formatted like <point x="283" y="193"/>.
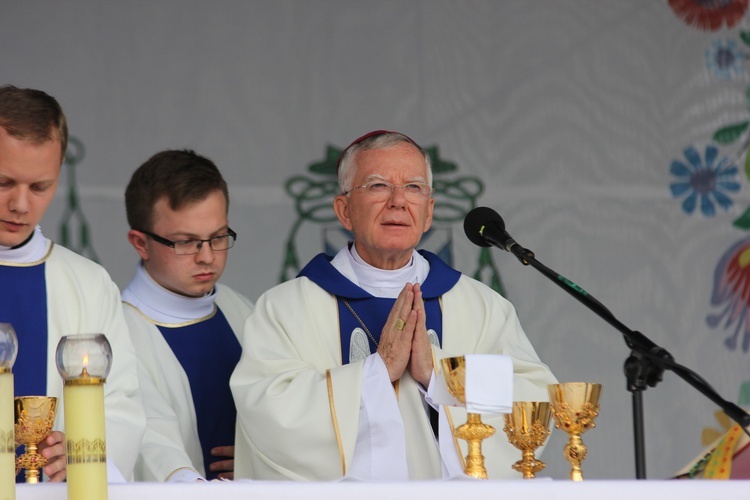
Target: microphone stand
<point x="646" y="363"/>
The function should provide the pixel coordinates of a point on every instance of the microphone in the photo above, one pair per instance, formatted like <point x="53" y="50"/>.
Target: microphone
<point x="484" y="227"/>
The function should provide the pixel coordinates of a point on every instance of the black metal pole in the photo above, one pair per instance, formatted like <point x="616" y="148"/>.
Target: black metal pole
<point x="634" y="371"/>
<point x="639" y="435"/>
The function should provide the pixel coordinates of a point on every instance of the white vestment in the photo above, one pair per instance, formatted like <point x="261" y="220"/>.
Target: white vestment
<point x="82" y="298"/>
<point x="171" y="441"/>
<point x="298" y="406"/>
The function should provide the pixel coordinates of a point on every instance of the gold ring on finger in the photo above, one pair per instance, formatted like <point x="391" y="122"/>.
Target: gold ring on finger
<point x="400" y="323"/>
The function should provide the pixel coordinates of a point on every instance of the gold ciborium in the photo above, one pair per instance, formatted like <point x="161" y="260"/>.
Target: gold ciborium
<point x="473" y="431"/>
<point x="575" y="405"/>
<point x="35" y="416"/>
<point x="527" y="428"/>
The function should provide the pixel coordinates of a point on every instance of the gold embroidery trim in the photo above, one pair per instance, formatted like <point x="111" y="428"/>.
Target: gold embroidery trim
<point x="31" y="264"/>
<point x="172" y="325"/>
<point x="329" y="382"/>
<point x="178" y="470"/>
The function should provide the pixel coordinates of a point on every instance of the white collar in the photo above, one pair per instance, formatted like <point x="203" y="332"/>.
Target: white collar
<point x="33" y="251"/>
<point x="164" y="306"/>
<point x="380" y="282"/>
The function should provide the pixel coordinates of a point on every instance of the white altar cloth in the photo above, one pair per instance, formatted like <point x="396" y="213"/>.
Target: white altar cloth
<point x="435" y="490"/>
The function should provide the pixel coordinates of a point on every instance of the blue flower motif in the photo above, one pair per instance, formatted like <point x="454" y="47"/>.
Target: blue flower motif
<point x="724" y="61"/>
<point x="707" y="182"/>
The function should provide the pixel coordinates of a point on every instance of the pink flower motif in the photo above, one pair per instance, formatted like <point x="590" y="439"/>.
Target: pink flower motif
<point x="732" y="292"/>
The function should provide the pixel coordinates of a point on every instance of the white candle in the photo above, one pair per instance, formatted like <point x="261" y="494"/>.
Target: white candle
<point x="85" y="439"/>
<point x="84" y="362"/>
<point x="7" y="437"/>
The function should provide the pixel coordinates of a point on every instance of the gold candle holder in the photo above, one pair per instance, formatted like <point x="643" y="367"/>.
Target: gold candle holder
<point x="34" y="416"/>
<point x="527" y="428"/>
<point x="473" y="431"/>
<point x="575" y="406"/>
<point x="8" y="352"/>
<point x="84" y="362"/>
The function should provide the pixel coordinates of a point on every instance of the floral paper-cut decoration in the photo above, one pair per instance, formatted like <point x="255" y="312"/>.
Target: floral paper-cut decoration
<point x="725" y="60"/>
<point x="705" y="182"/>
<point x="731" y="292"/>
<point x="709" y="15"/>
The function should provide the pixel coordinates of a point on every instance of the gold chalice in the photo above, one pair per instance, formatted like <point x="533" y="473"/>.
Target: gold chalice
<point x="35" y="416"/>
<point x="527" y="428"/>
<point x="575" y="405"/>
<point x="473" y="431"/>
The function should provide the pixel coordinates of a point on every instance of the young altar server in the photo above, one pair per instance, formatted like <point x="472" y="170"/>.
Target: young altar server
<point x="185" y="325"/>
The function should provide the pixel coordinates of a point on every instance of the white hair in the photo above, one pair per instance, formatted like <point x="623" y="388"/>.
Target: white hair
<point x="347" y="163"/>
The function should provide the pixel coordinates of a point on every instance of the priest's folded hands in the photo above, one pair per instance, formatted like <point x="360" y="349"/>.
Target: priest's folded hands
<point x="408" y="347"/>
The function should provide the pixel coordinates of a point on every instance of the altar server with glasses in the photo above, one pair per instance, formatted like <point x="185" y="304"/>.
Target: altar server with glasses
<point x="185" y="325"/>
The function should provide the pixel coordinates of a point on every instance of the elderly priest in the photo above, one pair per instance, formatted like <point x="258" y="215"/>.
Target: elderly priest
<point x="334" y="378"/>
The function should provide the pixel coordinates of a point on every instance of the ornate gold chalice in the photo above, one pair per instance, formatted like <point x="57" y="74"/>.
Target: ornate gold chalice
<point x="575" y="405"/>
<point x="35" y="416"/>
<point x="473" y="431"/>
<point x="527" y="428"/>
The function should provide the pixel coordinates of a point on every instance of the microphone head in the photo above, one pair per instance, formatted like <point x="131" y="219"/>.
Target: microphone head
<point x="476" y="220"/>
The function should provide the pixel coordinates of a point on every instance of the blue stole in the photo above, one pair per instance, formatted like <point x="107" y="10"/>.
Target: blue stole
<point x="373" y="310"/>
<point x="208" y="352"/>
<point x="23" y="304"/>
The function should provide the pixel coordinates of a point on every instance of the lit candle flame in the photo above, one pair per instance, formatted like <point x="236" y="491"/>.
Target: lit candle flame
<point x="84" y="371"/>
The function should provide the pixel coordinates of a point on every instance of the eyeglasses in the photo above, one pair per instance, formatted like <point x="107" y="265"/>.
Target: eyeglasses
<point x="383" y="189"/>
<point x="220" y="243"/>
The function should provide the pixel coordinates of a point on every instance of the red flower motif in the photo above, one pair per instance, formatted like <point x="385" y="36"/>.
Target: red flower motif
<point x="709" y="15"/>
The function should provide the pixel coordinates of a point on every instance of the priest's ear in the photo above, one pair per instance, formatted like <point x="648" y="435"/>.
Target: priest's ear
<point x="341" y="209"/>
<point x="139" y="242"/>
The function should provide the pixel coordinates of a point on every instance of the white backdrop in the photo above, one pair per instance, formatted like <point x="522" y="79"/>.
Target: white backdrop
<point x="570" y="113"/>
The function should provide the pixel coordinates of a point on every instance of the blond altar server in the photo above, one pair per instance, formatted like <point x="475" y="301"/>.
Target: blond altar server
<point x="338" y="363"/>
<point x="49" y="291"/>
<point x="185" y="325"/>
